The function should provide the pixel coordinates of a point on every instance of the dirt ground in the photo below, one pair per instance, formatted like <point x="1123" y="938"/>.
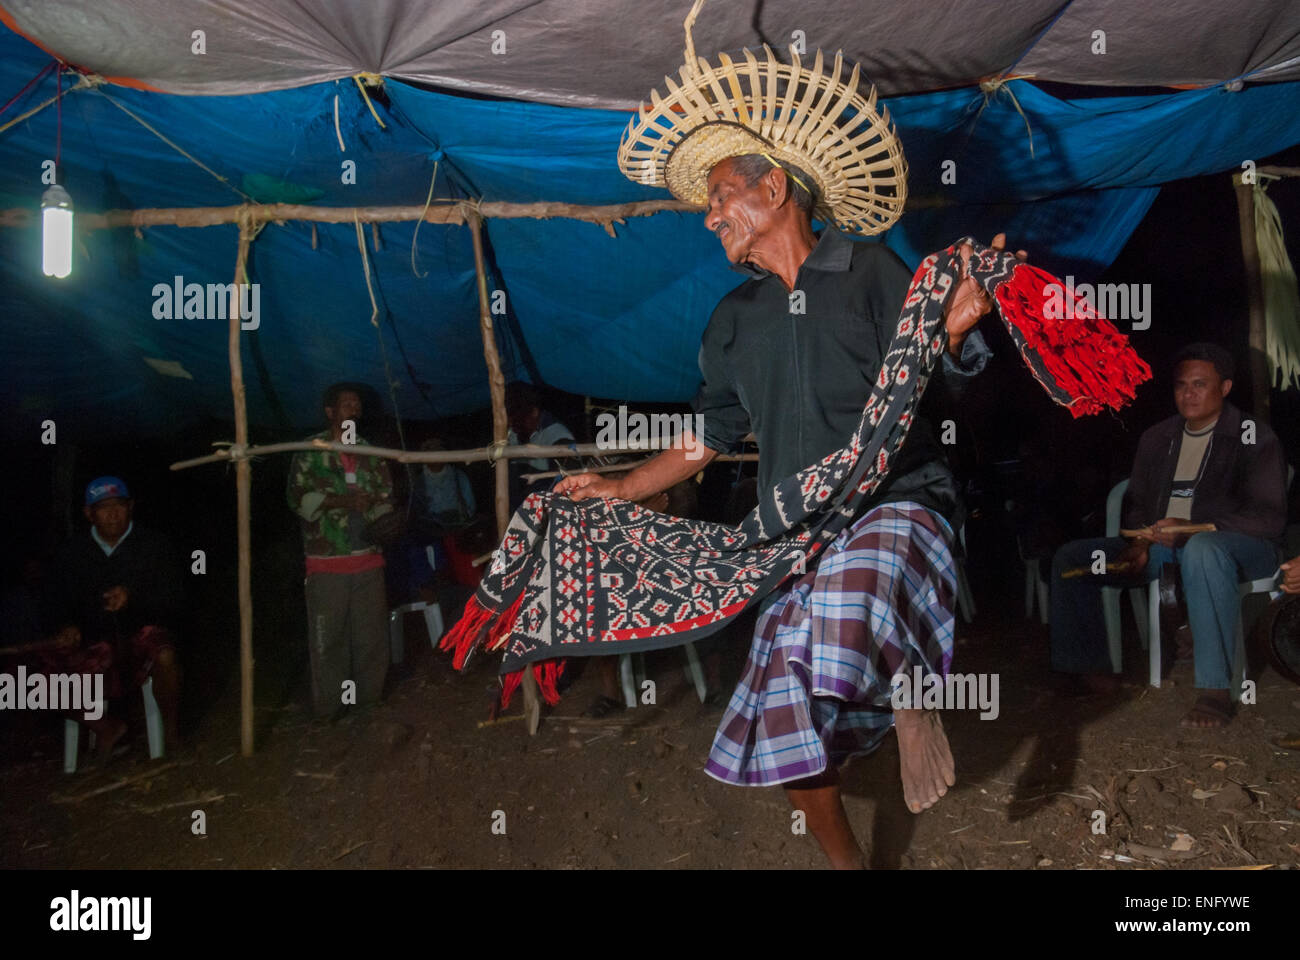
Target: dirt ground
<point x="420" y="782"/>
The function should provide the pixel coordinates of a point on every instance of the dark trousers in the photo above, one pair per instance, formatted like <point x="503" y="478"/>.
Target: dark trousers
<point x="347" y="635"/>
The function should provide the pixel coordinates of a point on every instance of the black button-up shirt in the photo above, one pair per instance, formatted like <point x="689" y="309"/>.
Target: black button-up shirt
<point x="799" y="381"/>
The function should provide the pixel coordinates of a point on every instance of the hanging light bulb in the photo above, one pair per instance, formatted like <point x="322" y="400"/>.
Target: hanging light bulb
<point x="56" y="213"/>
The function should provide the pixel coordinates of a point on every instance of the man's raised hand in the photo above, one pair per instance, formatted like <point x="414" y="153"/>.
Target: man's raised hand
<point x="970" y="301"/>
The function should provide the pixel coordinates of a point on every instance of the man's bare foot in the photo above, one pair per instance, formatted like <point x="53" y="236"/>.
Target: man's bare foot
<point x="1212" y="708"/>
<point x="924" y="759"/>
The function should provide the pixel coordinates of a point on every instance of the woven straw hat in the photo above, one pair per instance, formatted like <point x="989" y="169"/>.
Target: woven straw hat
<point x="811" y="118"/>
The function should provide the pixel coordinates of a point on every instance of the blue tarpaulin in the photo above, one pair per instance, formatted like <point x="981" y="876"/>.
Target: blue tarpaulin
<point x="606" y="316"/>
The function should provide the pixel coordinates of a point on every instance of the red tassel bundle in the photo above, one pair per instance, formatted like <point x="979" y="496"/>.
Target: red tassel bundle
<point x="547" y="672"/>
<point x="1083" y="361"/>
<point x="462" y="638"/>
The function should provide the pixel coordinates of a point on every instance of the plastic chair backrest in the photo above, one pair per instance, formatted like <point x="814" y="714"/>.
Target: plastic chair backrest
<point x="1114" y="504"/>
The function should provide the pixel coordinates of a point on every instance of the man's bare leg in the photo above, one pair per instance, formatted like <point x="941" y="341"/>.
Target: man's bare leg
<point x="166" y="675"/>
<point x="924" y="759"/>
<point x="819" y="798"/>
<point x="108" y="730"/>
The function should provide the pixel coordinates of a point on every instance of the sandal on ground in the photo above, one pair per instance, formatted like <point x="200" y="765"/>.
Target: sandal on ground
<point x="1217" y="713"/>
<point x="602" y="707"/>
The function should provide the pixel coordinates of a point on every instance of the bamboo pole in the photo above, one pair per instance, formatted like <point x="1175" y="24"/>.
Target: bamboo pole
<point x="496" y="379"/>
<point x="1259" y="379"/>
<point x="616" y="467"/>
<point x="500" y="428"/>
<point x="243" y="500"/>
<point x="523" y="451"/>
<point x="456" y="212"/>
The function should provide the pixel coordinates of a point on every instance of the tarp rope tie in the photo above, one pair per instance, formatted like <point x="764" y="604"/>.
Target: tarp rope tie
<point x="366" y="97"/>
<point x="990" y="90"/>
<point x="337" y="132"/>
<point x="496" y="450"/>
<point x="379" y="334"/>
<point x="416" y="235"/>
<point x="188" y="156"/>
<point x="88" y="81"/>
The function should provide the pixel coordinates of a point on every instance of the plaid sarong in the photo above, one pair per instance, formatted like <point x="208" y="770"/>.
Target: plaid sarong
<point x="816" y="689"/>
<point x="600" y="577"/>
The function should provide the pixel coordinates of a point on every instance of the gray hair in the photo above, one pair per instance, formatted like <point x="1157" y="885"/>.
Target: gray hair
<point x="751" y="167"/>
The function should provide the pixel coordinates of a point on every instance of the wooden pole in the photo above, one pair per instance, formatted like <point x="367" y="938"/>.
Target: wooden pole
<point x="496" y="379"/>
<point x="500" y="428"/>
<point x="243" y="501"/>
<point x="523" y="451"/>
<point x="1259" y="379"/>
<point x="456" y="213"/>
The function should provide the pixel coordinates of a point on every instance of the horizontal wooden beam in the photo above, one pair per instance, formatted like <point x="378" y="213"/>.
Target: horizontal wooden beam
<point x="442" y="212"/>
<point x="446" y="212"/>
<point x="525" y="451"/>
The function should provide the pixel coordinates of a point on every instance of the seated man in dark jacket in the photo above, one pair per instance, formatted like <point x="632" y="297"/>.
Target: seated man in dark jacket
<point x="1206" y="465"/>
<point x="118" y="598"/>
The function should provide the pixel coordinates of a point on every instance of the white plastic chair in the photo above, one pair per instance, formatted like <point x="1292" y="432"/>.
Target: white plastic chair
<point x="1110" y="595"/>
<point x="1152" y="618"/>
<point x="397" y="620"/>
<point x="1035" y="586"/>
<point x="397" y="626"/>
<point x="1244" y="590"/>
<point x="632" y="673"/>
<point x="153" y="727"/>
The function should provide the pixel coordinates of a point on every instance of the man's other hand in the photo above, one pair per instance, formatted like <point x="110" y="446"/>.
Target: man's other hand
<point x="657" y="502"/>
<point x="970" y="301"/>
<point x="1291" y="580"/>
<point x="1170" y="540"/>
<point x="115" y="598"/>
<point x="1135" y="554"/>
<point x="584" y="486"/>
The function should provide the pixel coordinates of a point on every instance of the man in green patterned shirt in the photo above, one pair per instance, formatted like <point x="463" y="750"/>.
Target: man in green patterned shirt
<point x="335" y="496"/>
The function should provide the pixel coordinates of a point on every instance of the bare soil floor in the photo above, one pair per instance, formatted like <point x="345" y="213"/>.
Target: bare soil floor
<point x="419" y="782"/>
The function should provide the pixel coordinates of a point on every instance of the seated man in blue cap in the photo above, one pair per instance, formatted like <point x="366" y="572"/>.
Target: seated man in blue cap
<point x="117" y="600"/>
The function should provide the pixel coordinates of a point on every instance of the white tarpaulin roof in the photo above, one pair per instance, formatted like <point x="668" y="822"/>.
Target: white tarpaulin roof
<point x="608" y="52"/>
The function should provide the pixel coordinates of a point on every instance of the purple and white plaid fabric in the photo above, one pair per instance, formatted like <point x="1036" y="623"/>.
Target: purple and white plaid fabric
<point x="816" y="687"/>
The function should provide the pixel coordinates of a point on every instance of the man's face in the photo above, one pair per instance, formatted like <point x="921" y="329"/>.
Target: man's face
<point x="524" y="422"/>
<point x="110" y="517"/>
<point x="347" y="407"/>
<point x="1199" y="390"/>
<point x="738" y="213"/>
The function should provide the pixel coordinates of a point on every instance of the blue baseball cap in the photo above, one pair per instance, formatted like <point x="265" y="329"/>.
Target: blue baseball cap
<point x="106" y="488"/>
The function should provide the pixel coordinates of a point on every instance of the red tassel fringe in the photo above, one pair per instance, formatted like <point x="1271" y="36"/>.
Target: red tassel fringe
<point x="465" y="634"/>
<point x="1087" y="359"/>
<point x="547" y="672"/>
<point x="469" y="629"/>
<point x="505" y="623"/>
